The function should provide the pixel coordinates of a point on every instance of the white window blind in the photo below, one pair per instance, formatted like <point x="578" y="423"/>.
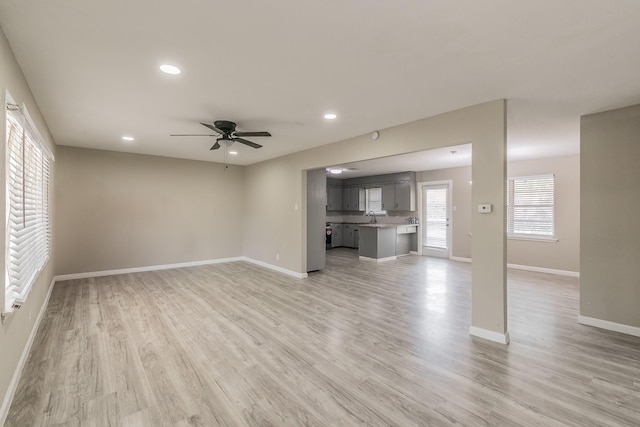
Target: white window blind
<point x="373" y="198"/>
<point x="28" y="230"/>
<point x="530" y="206"/>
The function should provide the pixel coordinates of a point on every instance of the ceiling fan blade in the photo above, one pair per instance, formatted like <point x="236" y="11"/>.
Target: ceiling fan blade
<point x="251" y="134"/>
<point x="245" y="142"/>
<point x="213" y="128"/>
<point x="215" y="146"/>
<point x="190" y="134"/>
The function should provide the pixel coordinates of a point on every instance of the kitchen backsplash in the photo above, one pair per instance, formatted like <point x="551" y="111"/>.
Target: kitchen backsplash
<point x="383" y="219"/>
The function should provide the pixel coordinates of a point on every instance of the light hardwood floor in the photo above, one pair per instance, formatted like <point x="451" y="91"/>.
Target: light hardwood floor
<point x="357" y="344"/>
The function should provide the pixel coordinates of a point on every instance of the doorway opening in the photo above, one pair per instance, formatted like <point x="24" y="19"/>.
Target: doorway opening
<point x="435" y="217"/>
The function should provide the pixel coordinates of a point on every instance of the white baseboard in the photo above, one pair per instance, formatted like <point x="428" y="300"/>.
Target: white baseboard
<point x="177" y="265"/>
<point x="276" y="268"/>
<point x="147" y="268"/>
<point x="544" y="270"/>
<point x="611" y="326"/>
<point x="17" y="373"/>
<point x="527" y="268"/>
<point x="389" y="258"/>
<point x="460" y="259"/>
<point x="413" y="252"/>
<point x="489" y="335"/>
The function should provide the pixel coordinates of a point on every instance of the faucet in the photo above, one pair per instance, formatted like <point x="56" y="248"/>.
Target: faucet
<point x="373" y="220"/>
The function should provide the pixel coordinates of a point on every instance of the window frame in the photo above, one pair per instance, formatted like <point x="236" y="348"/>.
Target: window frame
<point x="510" y="207"/>
<point x="366" y="201"/>
<point x="27" y="201"/>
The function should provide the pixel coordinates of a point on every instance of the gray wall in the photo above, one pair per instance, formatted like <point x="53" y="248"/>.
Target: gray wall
<point x="610" y="206"/>
<point x="561" y="255"/>
<point x="120" y="210"/>
<point x="274" y="194"/>
<point x="15" y="329"/>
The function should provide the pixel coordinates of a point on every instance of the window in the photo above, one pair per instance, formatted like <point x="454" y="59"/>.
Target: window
<point x="373" y="200"/>
<point x="28" y="171"/>
<point x="530" y="207"/>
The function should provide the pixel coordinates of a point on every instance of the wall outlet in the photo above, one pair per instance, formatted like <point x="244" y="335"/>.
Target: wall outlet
<point x="277" y="257"/>
<point x="484" y="208"/>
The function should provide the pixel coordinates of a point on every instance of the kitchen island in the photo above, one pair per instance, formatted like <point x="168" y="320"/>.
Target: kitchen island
<point x="383" y="242"/>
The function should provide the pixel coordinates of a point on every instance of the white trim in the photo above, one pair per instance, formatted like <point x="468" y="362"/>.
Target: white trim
<point x="611" y="326"/>
<point x="275" y="268"/>
<point x="544" y="270"/>
<point x="147" y="268"/>
<point x="389" y="258"/>
<point x="489" y="335"/>
<point x="413" y="252"/>
<point x="544" y="175"/>
<point x="528" y="268"/>
<point x="13" y="385"/>
<point x="536" y="238"/>
<point x="177" y="265"/>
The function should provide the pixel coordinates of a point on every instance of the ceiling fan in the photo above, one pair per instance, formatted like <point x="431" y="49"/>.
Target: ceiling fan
<point x="227" y="134"/>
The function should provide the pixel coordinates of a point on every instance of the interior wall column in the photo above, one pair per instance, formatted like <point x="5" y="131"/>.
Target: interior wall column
<point x="488" y="242"/>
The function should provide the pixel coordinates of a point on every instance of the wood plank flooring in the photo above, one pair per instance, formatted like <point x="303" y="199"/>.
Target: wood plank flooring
<point x="359" y="343"/>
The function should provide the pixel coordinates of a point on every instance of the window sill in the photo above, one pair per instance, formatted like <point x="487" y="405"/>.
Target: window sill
<point x="534" y="239"/>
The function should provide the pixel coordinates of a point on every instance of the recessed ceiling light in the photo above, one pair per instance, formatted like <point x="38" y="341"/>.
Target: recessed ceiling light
<point x="127" y="138"/>
<point x="335" y="171"/>
<point x="233" y="153"/>
<point x="330" y="116"/>
<point x="170" y="69"/>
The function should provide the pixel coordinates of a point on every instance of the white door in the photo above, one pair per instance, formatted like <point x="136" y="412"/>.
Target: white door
<point x="436" y="214"/>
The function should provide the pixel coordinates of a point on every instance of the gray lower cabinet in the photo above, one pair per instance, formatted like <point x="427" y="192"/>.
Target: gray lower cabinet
<point x="348" y="237"/>
<point x="336" y="235"/>
<point x="404" y="237"/>
<point x="344" y="235"/>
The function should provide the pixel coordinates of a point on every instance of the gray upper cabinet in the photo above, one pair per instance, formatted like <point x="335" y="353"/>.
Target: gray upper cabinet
<point x="334" y="198"/>
<point x="353" y="199"/>
<point x="398" y="192"/>
<point x="399" y="196"/>
<point x="405" y="196"/>
<point x="388" y="197"/>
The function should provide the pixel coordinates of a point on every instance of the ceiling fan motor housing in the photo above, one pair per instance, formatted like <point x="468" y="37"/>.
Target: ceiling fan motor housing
<point x="226" y="126"/>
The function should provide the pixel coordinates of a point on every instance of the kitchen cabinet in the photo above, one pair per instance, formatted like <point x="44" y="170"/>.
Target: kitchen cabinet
<point x="399" y="196"/>
<point x="352" y="199"/>
<point x="386" y="241"/>
<point x="348" y="235"/>
<point x="404" y="235"/>
<point x="336" y="235"/>
<point x="334" y="198"/>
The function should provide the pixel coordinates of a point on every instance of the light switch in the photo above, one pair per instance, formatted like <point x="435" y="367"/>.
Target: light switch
<point x="484" y="208"/>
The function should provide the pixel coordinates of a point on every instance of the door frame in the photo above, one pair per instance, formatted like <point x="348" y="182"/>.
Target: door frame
<point x="420" y="185"/>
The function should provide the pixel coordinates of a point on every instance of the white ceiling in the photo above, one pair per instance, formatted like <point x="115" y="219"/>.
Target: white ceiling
<point x="439" y="158"/>
<point x="280" y="65"/>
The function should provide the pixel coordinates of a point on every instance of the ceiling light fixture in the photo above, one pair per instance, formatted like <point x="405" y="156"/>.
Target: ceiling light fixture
<point x="170" y="69"/>
<point x="127" y="138"/>
<point x="233" y="153"/>
<point x="330" y="116"/>
<point x="335" y="171"/>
